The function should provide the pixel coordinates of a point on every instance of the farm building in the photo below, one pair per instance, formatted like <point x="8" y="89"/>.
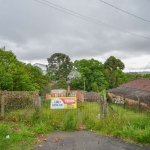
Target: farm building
<point x="136" y="92"/>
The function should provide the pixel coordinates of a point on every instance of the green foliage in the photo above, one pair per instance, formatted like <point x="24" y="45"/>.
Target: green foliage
<point x="91" y="73"/>
<point x="113" y="71"/>
<point x="114" y="64"/>
<point x="61" y="84"/>
<point x="70" y="122"/>
<point x="95" y="87"/>
<point x="89" y="112"/>
<point x="17" y="76"/>
<point x="21" y="136"/>
<point x="126" y="124"/>
<point x="59" y="66"/>
<point x="45" y="89"/>
<point x="14" y="103"/>
<point x="120" y="122"/>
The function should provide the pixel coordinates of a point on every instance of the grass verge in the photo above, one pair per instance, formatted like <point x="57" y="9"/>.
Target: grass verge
<point x="120" y="123"/>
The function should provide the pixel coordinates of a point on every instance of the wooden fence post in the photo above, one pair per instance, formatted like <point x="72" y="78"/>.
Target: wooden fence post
<point x="2" y="106"/>
<point x="105" y="105"/>
<point x="39" y="102"/>
<point x="138" y="103"/>
<point x="101" y="107"/>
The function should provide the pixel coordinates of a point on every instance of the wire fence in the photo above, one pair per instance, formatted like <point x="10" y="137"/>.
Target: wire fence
<point x="87" y="113"/>
<point x="16" y="101"/>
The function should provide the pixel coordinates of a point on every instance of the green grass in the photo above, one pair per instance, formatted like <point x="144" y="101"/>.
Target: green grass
<point x="120" y="122"/>
<point x="130" y="125"/>
<point x="21" y="137"/>
<point x="126" y="124"/>
<point x="34" y="123"/>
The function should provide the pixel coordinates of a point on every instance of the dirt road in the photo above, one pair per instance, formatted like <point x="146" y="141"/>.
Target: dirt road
<point x="84" y="140"/>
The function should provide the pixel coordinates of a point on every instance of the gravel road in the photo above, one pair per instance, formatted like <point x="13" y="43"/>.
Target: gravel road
<point x="83" y="140"/>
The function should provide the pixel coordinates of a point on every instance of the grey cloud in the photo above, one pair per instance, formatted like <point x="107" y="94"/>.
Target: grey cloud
<point x="35" y="31"/>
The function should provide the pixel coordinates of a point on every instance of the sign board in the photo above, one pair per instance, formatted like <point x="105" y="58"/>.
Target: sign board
<point x="63" y="103"/>
<point x="118" y="101"/>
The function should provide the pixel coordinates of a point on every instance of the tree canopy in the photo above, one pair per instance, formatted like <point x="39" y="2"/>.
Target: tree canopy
<point x="91" y="73"/>
<point x="17" y="76"/>
<point x="113" y="71"/>
<point x="59" y="66"/>
<point x="113" y="64"/>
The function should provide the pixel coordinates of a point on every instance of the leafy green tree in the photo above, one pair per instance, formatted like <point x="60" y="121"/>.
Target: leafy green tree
<point x="95" y="87"/>
<point x="59" y="66"/>
<point x="61" y="84"/>
<point x="113" y="64"/>
<point x="15" y="75"/>
<point x="91" y="73"/>
<point x="7" y="60"/>
<point x="37" y="77"/>
<point x="113" y="71"/>
<point x="45" y="89"/>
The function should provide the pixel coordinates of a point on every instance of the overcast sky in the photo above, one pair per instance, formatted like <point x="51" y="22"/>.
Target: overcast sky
<point x="34" y="31"/>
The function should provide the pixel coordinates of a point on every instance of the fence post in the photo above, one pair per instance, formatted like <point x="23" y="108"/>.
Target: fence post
<point x="101" y="107"/>
<point x="105" y="105"/>
<point x="2" y="106"/>
<point x="138" y="103"/>
<point x="39" y="102"/>
<point x="124" y="100"/>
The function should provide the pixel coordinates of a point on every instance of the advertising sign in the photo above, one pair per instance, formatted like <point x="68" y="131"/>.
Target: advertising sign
<point x="63" y="103"/>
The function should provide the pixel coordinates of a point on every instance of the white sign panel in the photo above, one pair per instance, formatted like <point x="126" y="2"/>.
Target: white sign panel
<point x="57" y="104"/>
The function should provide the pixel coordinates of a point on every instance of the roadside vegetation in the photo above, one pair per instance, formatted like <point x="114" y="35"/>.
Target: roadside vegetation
<point x="18" y="132"/>
<point x="121" y="123"/>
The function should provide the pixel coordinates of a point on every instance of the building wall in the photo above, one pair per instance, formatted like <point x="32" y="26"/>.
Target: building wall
<point x="128" y="101"/>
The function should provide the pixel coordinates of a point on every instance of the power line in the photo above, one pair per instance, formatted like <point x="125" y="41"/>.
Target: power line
<point x="125" y="11"/>
<point x="70" y="12"/>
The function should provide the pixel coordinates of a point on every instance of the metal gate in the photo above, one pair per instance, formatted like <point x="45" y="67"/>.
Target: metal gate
<point x="84" y="117"/>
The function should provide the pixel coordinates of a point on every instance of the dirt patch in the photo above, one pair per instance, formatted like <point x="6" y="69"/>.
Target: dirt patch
<point x="14" y="120"/>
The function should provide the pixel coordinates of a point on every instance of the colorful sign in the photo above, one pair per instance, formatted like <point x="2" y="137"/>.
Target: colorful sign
<point x="63" y="103"/>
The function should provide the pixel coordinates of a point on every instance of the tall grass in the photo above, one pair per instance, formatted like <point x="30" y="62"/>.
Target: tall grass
<point x="126" y="124"/>
<point x="120" y="122"/>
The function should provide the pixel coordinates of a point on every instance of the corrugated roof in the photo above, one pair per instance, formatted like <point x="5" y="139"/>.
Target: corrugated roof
<point x="142" y="84"/>
<point x="139" y="88"/>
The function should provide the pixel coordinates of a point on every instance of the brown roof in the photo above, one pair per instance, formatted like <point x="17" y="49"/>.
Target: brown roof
<point x="142" y="84"/>
<point x="134" y="89"/>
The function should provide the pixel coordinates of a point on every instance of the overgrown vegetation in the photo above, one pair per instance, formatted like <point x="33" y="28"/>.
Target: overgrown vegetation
<point x="120" y="122"/>
<point x="15" y="75"/>
<point x="24" y="133"/>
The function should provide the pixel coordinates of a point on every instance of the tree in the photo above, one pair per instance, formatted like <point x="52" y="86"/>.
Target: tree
<point x="37" y="77"/>
<point x="91" y="73"/>
<point x="17" y="76"/>
<point x="59" y="66"/>
<point x="95" y="87"/>
<point x="113" y="64"/>
<point x="113" y="70"/>
<point x="61" y="84"/>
